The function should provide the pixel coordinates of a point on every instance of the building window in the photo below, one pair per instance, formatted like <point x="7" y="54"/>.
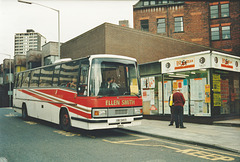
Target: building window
<point x="226" y="32"/>
<point x="214" y="11"/>
<point x="144" y="25"/>
<point x="178" y="24"/>
<point x="161" y="26"/>
<point x="50" y="59"/>
<point x="224" y="10"/>
<point x="215" y="33"/>
<point x="145" y="3"/>
<point x="152" y="2"/>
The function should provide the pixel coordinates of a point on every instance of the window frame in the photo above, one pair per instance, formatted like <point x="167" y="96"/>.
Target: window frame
<point x="144" y="24"/>
<point x="176" y="24"/>
<point x="228" y="32"/>
<point x="213" y="33"/>
<point x="214" y="15"/>
<point x="160" y="25"/>
<point x="225" y="8"/>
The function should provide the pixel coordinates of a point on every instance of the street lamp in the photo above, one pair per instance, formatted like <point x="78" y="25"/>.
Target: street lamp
<point x="27" y="2"/>
<point x="10" y="80"/>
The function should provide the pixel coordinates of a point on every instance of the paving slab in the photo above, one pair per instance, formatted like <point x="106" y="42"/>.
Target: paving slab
<point x="222" y="137"/>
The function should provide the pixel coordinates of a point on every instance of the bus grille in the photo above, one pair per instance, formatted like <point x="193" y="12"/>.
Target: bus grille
<point x="121" y="112"/>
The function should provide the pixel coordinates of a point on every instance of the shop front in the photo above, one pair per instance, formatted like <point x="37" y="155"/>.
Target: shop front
<point x="209" y="81"/>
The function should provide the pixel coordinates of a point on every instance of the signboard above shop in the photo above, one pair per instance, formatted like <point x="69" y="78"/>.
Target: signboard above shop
<point x="201" y="60"/>
<point x="225" y="62"/>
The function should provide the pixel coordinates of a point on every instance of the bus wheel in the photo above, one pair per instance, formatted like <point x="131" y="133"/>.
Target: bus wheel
<point x="65" y="122"/>
<point x="24" y="112"/>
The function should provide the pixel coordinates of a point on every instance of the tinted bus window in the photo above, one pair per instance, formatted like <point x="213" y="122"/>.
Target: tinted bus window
<point x="68" y="74"/>
<point x="34" y="78"/>
<point x="25" y="79"/>
<point x="19" y="82"/>
<point x="46" y="77"/>
<point x="83" y="78"/>
<point x="56" y="75"/>
<point x="16" y="80"/>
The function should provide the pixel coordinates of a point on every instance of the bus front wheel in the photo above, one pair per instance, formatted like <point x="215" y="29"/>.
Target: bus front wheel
<point x="65" y="122"/>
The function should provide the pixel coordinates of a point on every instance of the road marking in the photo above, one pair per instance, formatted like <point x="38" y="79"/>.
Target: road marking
<point x="30" y="122"/>
<point x="118" y="142"/>
<point x="192" y="152"/>
<point x="186" y="145"/>
<point x="68" y="134"/>
<point x="11" y="115"/>
<point x="206" y="155"/>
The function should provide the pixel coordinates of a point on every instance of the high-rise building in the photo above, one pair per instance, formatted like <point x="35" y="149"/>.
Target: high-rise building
<point x="28" y="41"/>
<point x="24" y="42"/>
<point x="213" y="23"/>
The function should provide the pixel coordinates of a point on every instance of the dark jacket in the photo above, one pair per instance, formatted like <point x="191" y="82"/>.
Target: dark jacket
<point x="178" y="99"/>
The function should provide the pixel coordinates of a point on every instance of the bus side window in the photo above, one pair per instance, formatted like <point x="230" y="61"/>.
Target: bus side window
<point x="56" y="75"/>
<point x="19" y="82"/>
<point x="68" y="74"/>
<point x="46" y="77"/>
<point x="25" y="79"/>
<point x="34" y="78"/>
<point x="83" y="78"/>
<point x="16" y="80"/>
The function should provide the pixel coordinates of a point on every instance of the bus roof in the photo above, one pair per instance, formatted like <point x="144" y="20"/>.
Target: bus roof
<point x="112" y="56"/>
<point x="90" y="57"/>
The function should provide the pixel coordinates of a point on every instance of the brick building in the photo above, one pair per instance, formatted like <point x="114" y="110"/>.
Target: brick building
<point x="114" y="39"/>
<point x="212" y="23"/>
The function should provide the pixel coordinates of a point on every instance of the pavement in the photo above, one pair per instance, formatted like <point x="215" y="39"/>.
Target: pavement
<point x="225" y="136"/>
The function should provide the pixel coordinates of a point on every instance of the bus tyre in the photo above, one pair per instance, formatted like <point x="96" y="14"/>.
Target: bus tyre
<point x="65" y="122"/>
<point x="24" y="112"/>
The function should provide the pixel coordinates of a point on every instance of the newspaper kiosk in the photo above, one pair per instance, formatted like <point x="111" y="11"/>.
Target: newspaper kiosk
<point x="209" y="81"/>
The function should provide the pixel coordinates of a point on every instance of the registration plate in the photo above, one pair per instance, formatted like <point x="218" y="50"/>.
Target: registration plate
<point x="121" y="120"/>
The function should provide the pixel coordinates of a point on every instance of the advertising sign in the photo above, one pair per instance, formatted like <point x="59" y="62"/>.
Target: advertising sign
<point x="225" y="62"/>
<point x="186" y="63"/>
<point x="201" y="61"/>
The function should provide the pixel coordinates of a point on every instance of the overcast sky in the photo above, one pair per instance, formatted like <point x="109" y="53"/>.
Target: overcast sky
<point x="76" y="17"/>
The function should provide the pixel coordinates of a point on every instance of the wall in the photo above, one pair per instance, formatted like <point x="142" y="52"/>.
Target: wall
<point x="144" y="46"/>
<point x="233" y="44"/>
<point x="196" y="22"/>
<point x="91" y="42"/>
<point x="114" y="39"/>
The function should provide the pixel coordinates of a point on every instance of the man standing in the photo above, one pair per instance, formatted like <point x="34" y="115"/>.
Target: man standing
<point x="171" y="105"/>
<point x="179" y="101"/>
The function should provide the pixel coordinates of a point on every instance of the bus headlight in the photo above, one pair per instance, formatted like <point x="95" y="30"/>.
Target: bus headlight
<point x="99" y="113"/>
<point x="138" y="110"/>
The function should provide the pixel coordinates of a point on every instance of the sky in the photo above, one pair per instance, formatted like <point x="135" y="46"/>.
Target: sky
<point x="76" y="18"/>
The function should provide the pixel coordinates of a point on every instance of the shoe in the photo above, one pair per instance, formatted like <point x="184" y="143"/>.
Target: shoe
<point x="183" y="127"/>
<point x="177" y="126"/>
<point x="170" y="124"/>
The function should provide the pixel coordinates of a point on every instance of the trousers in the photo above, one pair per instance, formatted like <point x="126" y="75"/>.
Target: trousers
<point x="172" y="115"/>
<point x="178" y="111"/>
